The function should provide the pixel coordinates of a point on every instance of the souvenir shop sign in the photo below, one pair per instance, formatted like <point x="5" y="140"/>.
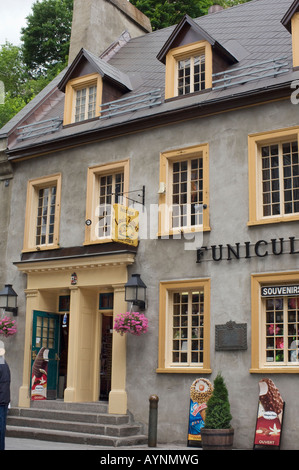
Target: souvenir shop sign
<point x="279" y="291"/>
<point x="125" y="225"/>
<point x="200" y="392"/>
<point x="269" y="417"/>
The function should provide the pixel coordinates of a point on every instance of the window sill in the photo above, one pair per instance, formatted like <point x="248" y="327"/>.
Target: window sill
<point x="41" y="248"/>
<point x="278" y="370"/>
<point x="182" y="231"/>
<point x="98" y="242"/>
<point x="188" y="95"/>
<point x="183" y="370"/>
<point x="274" y="220"/>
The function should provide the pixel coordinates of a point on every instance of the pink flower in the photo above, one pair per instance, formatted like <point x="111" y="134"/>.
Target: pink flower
<point x="7" y="326"/>
<point x="279" y="343"/>
<point x="271" y="329"/>
<point x="131" y="322"/>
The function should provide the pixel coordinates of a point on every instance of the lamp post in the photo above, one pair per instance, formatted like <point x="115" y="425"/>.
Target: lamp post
<point x="8" y="300"/>
<point x="135" y="291"/>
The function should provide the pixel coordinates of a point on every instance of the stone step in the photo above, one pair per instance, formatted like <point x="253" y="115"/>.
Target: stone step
<point x="84" y="423"/>
<point x="121" y="430"/>
<point x="64" y="415"/>
<point x="89" y="407"/>
<point x="74" y="437"/>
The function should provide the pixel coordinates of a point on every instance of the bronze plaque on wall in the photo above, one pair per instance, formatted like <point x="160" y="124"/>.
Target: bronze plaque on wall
<point x="231" y="336"/>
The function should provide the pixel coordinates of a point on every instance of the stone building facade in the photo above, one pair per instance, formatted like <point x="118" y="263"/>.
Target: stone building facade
<point x="195" y="127"/>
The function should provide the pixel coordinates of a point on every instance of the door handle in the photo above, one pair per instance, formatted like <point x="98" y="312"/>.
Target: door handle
<point x="57" y="358"/>
<point x="33" y="355"/>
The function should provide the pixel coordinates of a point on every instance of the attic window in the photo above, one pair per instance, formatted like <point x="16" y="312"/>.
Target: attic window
<point x="188" y="69"/>
<point x="191" y="74"/>
<point x="85" y="106"/>
<point x="82" y="98"/>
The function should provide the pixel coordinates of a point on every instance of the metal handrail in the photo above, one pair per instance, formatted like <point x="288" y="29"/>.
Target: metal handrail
<point x="130" y="103"/>
<point x="38" y="128"/>
<point x="229" y="77"/>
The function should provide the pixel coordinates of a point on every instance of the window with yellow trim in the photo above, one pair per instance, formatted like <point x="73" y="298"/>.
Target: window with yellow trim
<point x="82" y="98"/>
<point x="188" y="69"/>
<point x="275" y="316"/>
<point x="274" y="177"/>
<point x="85" y="103"/>
<point x="42" y="213"/>
<point x="106" y="185"/>
<point x="184" y="326"/>
<point x="184" y="190"/>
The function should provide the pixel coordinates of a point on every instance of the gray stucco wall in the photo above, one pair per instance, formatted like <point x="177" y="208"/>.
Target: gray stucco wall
<point x="157" y="260"/>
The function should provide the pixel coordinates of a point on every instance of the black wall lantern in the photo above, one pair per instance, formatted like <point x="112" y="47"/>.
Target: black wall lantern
<point x="8" y="300"/>
<point x="135" y="290"/>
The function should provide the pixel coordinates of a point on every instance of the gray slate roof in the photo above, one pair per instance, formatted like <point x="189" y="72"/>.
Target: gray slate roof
<point x="252" y="32"/>
<point x="105" y="69"/>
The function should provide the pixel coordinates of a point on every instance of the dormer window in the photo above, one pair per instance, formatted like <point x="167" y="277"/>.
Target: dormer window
<point x="88" y="83"/>
<point x="191" y="74"/>
<point x="191" y="56"/>
<point x="188" y="69"/>
<point x="291" y="23"/>
<point x="82" y="98"/>
<point x="85" y="106"/>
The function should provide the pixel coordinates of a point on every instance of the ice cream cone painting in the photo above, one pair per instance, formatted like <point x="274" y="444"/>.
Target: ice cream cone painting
<point x="39" y="375"/>
<point x="270" y="414"/>
<point x="200" y="392"/>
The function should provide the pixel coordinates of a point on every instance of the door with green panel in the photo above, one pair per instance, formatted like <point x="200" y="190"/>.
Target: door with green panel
<point x="46" y="334"/>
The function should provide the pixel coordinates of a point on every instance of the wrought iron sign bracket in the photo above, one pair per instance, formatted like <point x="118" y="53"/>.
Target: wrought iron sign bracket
<point x="141" y="194"/>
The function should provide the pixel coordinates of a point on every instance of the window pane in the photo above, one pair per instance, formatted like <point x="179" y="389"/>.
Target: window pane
<point x="290" y="174"/>
<point x="191" y="74"/>
<point x="187" y="327"/>
<point x="109" y="186"/>
<point x="270" y="180"/>
<point x="187" y="193"/>
<point x="45" y="219"/>
<point x="85" y="106"/>
<point x="199" y="73"/>
<point x="282" y="322"/>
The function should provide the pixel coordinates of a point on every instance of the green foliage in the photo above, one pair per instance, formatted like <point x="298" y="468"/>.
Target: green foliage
<point x="12" y="69"/>
<point x="19" y="86"/>
<point x="46" y="37"/>
<point x="218" y="408"/>
<point x="169" y="12"/>
<point x="12" y="105"/>
<point x="26" y="70"/>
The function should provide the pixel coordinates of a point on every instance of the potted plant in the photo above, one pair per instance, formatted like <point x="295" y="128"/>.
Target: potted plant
<point x="217" y="433"/>
<point x="131" y="322"/>
<point x="7" y="326"/>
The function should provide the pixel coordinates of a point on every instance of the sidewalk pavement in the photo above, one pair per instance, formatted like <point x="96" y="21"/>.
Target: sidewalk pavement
<point x="13" y="443"/>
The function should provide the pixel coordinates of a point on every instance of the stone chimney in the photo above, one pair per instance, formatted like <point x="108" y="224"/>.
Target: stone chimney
<point x="98" y="23"/>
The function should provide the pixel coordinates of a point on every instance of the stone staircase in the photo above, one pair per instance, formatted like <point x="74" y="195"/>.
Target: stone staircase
<point x="81" y="423"/>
